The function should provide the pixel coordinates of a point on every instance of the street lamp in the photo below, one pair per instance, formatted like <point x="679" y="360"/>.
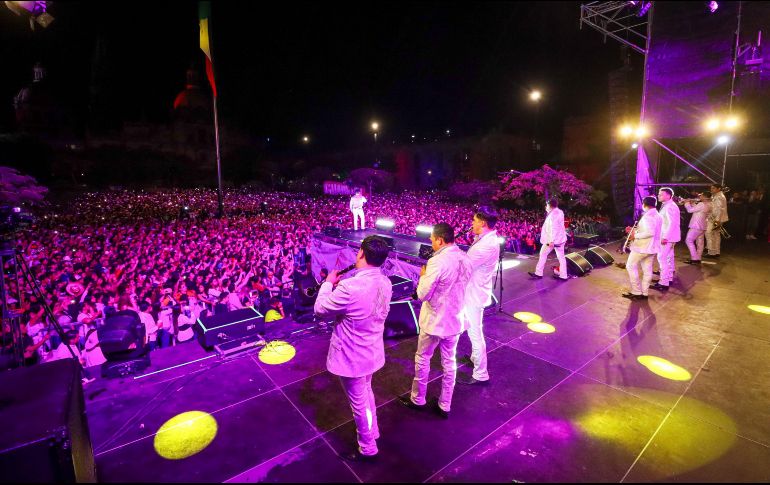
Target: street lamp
<point x="376" y="129"/>
<point x="535" y="96"/>
<point x="306" y="139"/>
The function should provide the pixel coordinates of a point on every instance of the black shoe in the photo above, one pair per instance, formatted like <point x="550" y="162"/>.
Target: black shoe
<point x="659" y="287"/>
<point x="465" y="359"/>
<point x="711" y="256"/>
<point x="692" y="261"/>
<point x="631" y="296"/>
<point x="356" y="456"/>
<point x="533" y="275"/>
<point x="437" y="409"/>
<point x="470" y="381"/>
<point x="556" y="277"/>
<point x="656" y="272"/>
<point x="408" y="403"/>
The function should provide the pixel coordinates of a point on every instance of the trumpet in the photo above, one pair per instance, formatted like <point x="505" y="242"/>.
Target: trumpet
<point x="312" y="291"/>
<point x="625" y="248"/>
<point x="682" y="200"/>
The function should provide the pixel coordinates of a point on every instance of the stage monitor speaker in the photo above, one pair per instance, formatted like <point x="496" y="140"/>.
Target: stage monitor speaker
<point x="331" y="231"/>
<point x="599" y="256"/>
<point x="45" y="434"/>
<point x="216" y="329"/>
<point x="389" y="241"/>
<point x="402" y="287"/>
<point x="577" y="265"/>
<point x="402" y="319"/>
<point x="426" y="251"/>
<point x="584" y="240"/>
<point x="122" y="336"/>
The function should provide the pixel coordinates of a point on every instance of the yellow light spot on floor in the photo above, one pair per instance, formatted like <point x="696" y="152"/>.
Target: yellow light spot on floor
<point x="664" y="368"/>
<point x="277" y="352"/>
<point x="760" y="309"/>
<point x="541" y="327"/>
<point x="185" y="435"/>
<point x="528" y="317"/>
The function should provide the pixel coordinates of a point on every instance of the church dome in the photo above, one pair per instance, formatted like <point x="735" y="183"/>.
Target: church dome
<point x="192" y="98"/>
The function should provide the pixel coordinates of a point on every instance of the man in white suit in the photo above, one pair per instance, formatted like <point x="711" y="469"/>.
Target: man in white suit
<point x="356" y="350"/>
<point x="441" y="289"/>
<point x="552" y="237"/>
<point x="646" y="243"/>
<point x="697" y="227"/>
<point x="484" y="255"/>
<point x="716" y="219"/>
<point x="670" y="235"/>
<point x="357" y="208"/>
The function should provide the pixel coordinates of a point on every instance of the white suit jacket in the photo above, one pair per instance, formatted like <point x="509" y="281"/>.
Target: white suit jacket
<point x="700" y="213"/>
<point x="361" y="303"/>
<point x="647" y="236"/>
<point x="553" y="228"/>
<point x="442" y="291"/>
<point x="483" y="255"/>
<point x="669" y="212"/>
<point x="719" y="208"/>
<point x="357" y="203"/>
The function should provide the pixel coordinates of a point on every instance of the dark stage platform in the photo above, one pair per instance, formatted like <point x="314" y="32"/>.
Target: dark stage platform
<point x="573" y="405"/>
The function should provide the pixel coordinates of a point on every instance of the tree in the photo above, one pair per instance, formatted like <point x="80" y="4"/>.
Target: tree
<point x="545" y="183"/>
<point x="17" y="188"/>
<point x="372" y="179"/>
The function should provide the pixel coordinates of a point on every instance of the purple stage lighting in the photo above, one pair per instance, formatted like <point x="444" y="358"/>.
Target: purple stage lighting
<point x="713" y="6"/>
<point x="645" y="6"/>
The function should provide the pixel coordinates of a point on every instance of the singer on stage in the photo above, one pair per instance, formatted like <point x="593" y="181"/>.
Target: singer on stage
<point x="552" y="236"/>
<point x="357" y="208"/>
<point x="356" y="350"/>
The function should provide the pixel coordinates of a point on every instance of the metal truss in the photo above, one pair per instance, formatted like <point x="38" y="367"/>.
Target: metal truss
<point x="618" y="20"/>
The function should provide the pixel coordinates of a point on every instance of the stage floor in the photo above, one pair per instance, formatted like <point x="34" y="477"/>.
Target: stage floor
<point x="573" y="405"/>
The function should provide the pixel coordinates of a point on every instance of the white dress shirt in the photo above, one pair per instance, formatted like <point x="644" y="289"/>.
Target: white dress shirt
<point x="553" y="228"/>
<point x="483" y="255"/>
<point x="647" y="234"/>
<point x="700" y="213"/>
<point x="442" y="290"/>
<point x="669" y="213"/>
<point x="361" y="303"/>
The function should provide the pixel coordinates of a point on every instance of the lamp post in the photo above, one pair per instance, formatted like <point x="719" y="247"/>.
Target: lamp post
<point x="375" y="130"/>
<point x="535" y="96"/>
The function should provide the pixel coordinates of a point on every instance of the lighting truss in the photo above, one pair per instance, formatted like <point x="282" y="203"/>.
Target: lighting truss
<point x="619" y="21"/>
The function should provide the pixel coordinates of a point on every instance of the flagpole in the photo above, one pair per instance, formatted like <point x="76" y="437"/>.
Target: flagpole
<point x="220" y="196"/>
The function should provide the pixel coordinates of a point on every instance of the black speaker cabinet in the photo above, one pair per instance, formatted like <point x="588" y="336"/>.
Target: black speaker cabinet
<point x="577" y="265"/>
<point x="331" y="231"/>
<point x="402" y="287"/>
<point x="45" y="431"/>
<point x="402" y="319"/>
<point x="217" y="329"/>
<point x="599" y="256"/>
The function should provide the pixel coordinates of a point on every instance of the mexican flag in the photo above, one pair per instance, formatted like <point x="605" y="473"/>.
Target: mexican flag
<point x="204" y="13"/>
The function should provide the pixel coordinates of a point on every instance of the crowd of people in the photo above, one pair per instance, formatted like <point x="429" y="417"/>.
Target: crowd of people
<point x="165" y="255"/>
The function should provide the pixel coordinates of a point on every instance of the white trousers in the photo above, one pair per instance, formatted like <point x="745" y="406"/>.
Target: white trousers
<point x="635" y="260"/>
<point x="545" y="250"/>
<point x="666" y="262"/>
<point x="361" y="398"/>
<point x="426" y="345"/>
<point x="713" y="239"/>
<point x="695" y="240"/>
<point x="478" y="344"/>
<point x="358" y="213"/>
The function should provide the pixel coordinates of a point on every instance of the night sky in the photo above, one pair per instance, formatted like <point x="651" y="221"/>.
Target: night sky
<point x="321" y="68"/>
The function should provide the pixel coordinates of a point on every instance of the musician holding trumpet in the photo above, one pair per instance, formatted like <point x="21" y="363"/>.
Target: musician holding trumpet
<point x="644" y="246"/>
<point x="700" y="209"/>
<point x="717" y="217"/>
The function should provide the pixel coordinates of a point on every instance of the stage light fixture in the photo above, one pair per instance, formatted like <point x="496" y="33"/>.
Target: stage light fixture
<point x="641" y="132"/>
<point x="731" y="123"/>
<point x="625" y="131"/>
<point x="37" y="11"/>
<point x="424" y="230"/>
<point x="723" y="139"/>
<point x="713" y="124"/>
<point x="384" y="224"/>
<point x="535" y="95"/>
<point x="713" y="6"/>
<point x="634" y="146"/>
